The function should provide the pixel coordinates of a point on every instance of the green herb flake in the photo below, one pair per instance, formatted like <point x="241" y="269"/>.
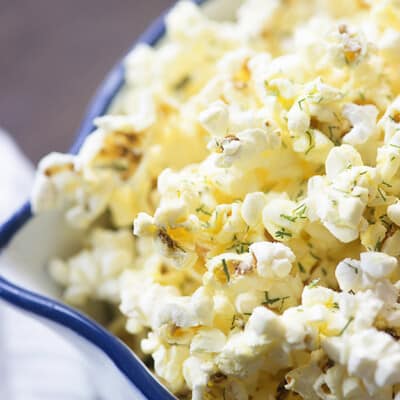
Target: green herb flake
<point x="288" y="217"/>
<point x="378" y="245"/>
<point x="386" y="184"/>
<point x="301" y="210"/>
<point x="381" y="194"/>
<point x="395" y="145"/>
<point x="239" y="246"/>
<point x="300" y="194"/>
<point x="282" y="233"/>
<point x="311" y="144"/>
<point x="313" y="284"/>
<point x="315" y="256"/>
<point x="355" y="269"/>
<point x="300" y="103"/>
<point x="269" y="301"/>
<point x="384" y="222"/>
<point x="226" y="270"/>
<point x="351" y="319"/>
<point x="203" y="211"/>
<point x="336" y="305"/>
<point x="301" y="267"/>
<point x="114" y="166"/>
<point x="242" y="247"/>
<point x="182" y="83"/>
<point x="337" y="117"/>
<point x="331" y="128"/>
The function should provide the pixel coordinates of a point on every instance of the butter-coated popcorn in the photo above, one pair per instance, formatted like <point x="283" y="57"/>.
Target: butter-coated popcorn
<point x="257" y="162"/>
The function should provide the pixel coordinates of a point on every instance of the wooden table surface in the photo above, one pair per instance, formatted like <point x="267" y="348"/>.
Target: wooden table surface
<point x="53" y="54"/>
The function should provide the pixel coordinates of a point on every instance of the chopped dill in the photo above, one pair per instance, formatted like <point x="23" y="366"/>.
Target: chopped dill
<point x="182" y="83"/>
<point x="301" y="192"/>
<point x="241" y="247"/>
<point x="351" y="319"/>
<point x="381" y="194"/>
<point x="301" y="267"/>
<point x="337" y="117"/>
<point x="283" y="233"/>
<point x="269" y="301"/>
<point x="114" y="166"/>
<point x="355" y="269"/>
<point x="384" y="222"/>
<point x="378" y="245"/>
<point x="288" y="217"/>
<point x="301" y="210"/>
<point x="300" y="103"/>
<point x="313" y="283"/>
<point x="310" y="141"/>
<point x="202" y="210"/>
<point x="315" y="256"/>
<point x="226" y="271"/>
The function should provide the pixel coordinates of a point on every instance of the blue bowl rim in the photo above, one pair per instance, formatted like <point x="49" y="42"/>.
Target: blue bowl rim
<point x="57" y="312"/>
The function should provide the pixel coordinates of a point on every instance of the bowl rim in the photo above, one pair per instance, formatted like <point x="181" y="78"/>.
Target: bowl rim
<point x="55" y="311"/>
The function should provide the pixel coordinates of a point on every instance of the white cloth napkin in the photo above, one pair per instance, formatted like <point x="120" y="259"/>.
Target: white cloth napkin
<point x="35" y="363"/>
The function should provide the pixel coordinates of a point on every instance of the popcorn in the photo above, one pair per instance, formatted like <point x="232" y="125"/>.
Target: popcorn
<point x="369" y="354"/>
<point x="215" y="119"/>
<point x="272" y="259"/>
<point x="53" y="171"/>
<point x="208" y="341"/>
<point x="377" y="265"/>
<point x="363" y="120"/>
<point x="393" y="212"/>
<point x="340" y="159"/>
<point x="340" y="198"/>
<point x="252" y="207"/>
<point x="258" y="159"/>
<point x="165" y="361"/>
<point x="94" y="273"/>
<point x="283" y="218"/>
<point x="196" y="373"/>
<point x="186" y="312"/>
<point x="358" y="275"/>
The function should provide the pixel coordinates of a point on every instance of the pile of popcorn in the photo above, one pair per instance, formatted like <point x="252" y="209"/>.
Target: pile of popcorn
<point x="258" y="161"/>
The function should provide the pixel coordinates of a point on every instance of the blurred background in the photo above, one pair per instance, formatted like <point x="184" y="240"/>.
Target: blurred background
<point x="53" y="55"/>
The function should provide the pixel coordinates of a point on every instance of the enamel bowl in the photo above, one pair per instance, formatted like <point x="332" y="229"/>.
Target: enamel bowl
<point x="27" y="243"/>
